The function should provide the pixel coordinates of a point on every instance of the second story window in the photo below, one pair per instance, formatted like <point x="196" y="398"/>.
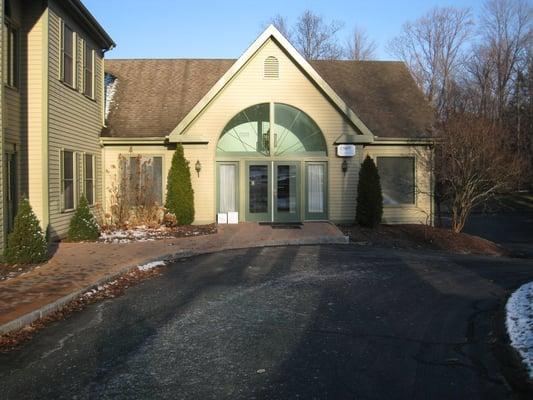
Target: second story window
<point x="67" y="55"/>
<point x="11" y="60"/>
<point x="88" y="68"/>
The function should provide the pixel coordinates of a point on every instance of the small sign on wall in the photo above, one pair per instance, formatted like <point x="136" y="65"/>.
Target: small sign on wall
<point x="233" y="217"/>
<point x="222" y="218"/>
<point x="346" y="150"/>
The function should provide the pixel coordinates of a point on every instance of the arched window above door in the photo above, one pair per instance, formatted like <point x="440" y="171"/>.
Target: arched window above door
<point x="296" y="133"/>
<point x="255" y="131"/>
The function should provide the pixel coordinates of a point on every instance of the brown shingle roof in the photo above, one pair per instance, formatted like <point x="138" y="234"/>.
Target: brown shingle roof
<point x="153" y="96"/>
<point x="382" y="94"/>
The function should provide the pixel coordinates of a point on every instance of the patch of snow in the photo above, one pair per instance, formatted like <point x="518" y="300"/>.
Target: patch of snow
<point x="519" y="322"/>
<point x="110" y="90"/>
<point x="139" y="234"/>
<point x="151" y="265"/>
<point x="99" y="288"/>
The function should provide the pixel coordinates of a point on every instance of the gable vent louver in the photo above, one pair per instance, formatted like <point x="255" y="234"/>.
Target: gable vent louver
<point x="271" y="68"/>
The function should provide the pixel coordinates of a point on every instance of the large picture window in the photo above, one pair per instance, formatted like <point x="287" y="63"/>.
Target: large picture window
<point x="397" y="175"/>
<point x="67" y="55"/>
<point x="68" y="176"/>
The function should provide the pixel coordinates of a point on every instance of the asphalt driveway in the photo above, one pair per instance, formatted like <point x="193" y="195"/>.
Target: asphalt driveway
<point x="286" y="322"/>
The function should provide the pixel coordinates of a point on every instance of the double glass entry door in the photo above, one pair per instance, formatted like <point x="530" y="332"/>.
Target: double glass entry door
<point x="273" y="192"/>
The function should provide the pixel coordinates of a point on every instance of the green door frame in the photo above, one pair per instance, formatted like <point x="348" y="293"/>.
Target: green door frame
<point x="258" y="217"/>
<point x="284" y="216"/>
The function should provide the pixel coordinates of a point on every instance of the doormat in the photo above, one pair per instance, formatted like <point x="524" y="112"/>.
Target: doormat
<point x="283" y="225"/>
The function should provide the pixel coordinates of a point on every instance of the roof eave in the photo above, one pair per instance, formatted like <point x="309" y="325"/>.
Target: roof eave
<point x="415" y="140"/>
<point x="85" y="16"/>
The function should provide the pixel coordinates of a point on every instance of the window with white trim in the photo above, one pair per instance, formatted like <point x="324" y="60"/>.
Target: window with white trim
<point x="68" y="51"/>
<point x="68" y="180"/>
<point x="397" y="176"/>
<point x="89" y="178"/>
<point x="88" y="70"/>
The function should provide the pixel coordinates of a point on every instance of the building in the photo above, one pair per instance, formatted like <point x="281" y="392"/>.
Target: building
<point x="270" y="135"/>
<point x="52" y="109"/>
<point x="262" y="133"/>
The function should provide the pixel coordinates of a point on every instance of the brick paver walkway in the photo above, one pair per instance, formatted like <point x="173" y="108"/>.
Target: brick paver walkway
<point x="76" y="266"/>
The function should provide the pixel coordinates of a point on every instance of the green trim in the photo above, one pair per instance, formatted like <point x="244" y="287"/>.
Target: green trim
<point x="283" y="216"/>
<point x="421" y="141"/>
<point x="258" y="217"/>
<point x="237" y="184"/>
<point x="346" y="138"/>
<point x="109" y="141"/>
<point x="316" y="216"/>
<point x="45" y="125"/>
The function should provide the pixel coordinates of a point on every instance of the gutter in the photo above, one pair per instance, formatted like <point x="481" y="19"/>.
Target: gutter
<point x="159" y="140"/>
<point x="412" y="141"/>
<point x="129" y="140"/>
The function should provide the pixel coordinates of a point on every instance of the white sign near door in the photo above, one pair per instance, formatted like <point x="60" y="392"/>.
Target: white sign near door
<point x="233" y="217"/>
<point x="222" y="218"/>
<point x="346" y="150"/>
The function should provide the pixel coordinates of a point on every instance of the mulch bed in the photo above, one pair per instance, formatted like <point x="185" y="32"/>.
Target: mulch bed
<point x="13" y="340"/>
<point x="422" y="237"/>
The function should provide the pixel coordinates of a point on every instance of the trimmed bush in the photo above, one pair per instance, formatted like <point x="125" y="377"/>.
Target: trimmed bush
<point x="83" y="225"/>
<point x="180" y="196"/>
<point x="27" y="243"/>
<point x="369" y="197"/>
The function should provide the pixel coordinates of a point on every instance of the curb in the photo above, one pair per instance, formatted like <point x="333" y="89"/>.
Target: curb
<point x="48" y="309"/>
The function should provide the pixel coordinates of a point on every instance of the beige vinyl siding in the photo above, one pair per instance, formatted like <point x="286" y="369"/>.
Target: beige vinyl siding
<point x="33" y="84"/>
<point x="293" y="87"/>
<point x="12" y="120"/>
<point x="12" y="100"/>
<point x="192" y="153"/>
<point x="74" y="120"/>
<point x="247" y="88"/>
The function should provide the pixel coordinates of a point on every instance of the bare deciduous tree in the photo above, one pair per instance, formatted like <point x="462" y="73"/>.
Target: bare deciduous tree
<point x="432" y="47"/>
<point x="473" y="163"/>
<point x="507" y="34"/>
<point x="359" y="46"/>
<point x="281" y="24"/>
<point x="316" y="39"/>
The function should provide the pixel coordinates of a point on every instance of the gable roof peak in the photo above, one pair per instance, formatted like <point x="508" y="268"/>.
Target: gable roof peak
<point x="271" y="32"/>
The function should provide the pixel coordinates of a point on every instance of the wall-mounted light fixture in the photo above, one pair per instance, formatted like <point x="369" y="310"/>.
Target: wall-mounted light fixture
<point x="344" y="166"/>
<point x="198" y="167"/>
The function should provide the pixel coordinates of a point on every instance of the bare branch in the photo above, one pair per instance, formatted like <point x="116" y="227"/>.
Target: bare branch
<point x="359" y="46"/>
<point x="433" y="47"/>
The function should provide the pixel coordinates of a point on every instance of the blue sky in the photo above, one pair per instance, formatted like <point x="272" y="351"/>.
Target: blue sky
<point x="224" y="28"/>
